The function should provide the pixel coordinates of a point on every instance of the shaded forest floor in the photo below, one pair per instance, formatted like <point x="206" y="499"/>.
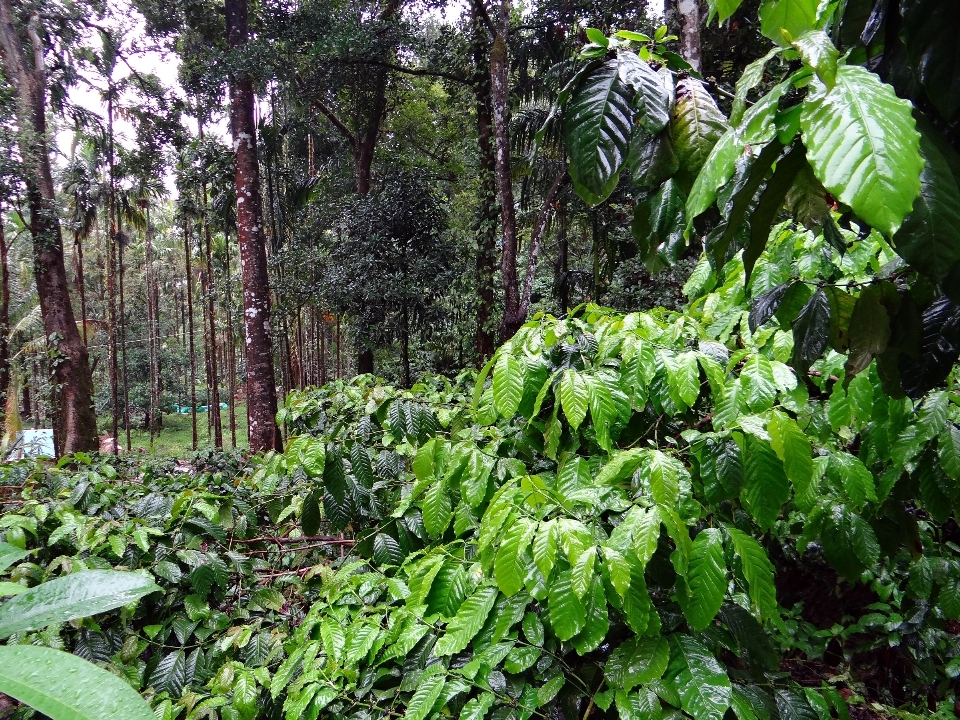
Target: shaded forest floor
<point x="176" y="436"/>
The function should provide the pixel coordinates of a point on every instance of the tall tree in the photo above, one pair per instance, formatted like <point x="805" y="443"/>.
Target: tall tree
<point x="263" y="431"/>
<point x="75" y="424"/>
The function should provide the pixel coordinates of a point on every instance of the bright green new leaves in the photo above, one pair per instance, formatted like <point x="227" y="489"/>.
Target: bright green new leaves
<point x="621" y="466"/>
<point x="507" y="384"/>
<point x="574" y="398"/>
<point x="758" y="572"/>
<point x="793" y="448"/>
<point x="637" y="661"/>
<point x="510" y="567"/>
<point x="73" y="596"/>
<point x="467" y="622"/>
<point x="757" y="383"/>
<point x="766" y="487"/>
<point x="793" y="16"/>
<point x="706" y="579"/>
<point x="566" y="611"/>
<point x="863" y="146"/>
<point x="660" y="474"/>
<point x="697" y="678"/>
<point x="697" y="125"/>
<point x="597" y="127"/>
<point x="818" y="52"/>
<point x="437" y="509"/>
<point x="602" y="410"/>
<point x="66" y="687"/>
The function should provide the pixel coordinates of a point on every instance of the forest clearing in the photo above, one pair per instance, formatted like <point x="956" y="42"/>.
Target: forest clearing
<point x="428" y="359"/>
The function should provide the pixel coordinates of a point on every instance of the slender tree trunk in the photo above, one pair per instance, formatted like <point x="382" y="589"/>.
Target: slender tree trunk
<point x="689" y="11"/>
<point x="231" y="348"/>
<point x="323" y="349"/>
<point x="112" y="242"/>
<point x="263" y="432"/>
<point x="487" y="213"/>
<point x="152" y="331"/>
<point x="193" y="354"/>
<point x="74" y="422"/>
<point x="123" y="340"/>
<point x="338" y="348"/>
<point x="4" y="317"/>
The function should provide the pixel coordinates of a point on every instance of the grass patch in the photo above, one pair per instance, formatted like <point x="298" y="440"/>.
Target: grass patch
<point x="176" y="437"/>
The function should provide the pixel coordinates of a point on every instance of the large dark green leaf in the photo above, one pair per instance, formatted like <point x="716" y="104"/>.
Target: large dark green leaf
<point x="74" y="596"/>
<point x="765" y="305"/>
<point x="869" y="330"/>
<point x="653" y="99"/>
<point x="811" y="331"/>
<point x="9" y="554"/>
<point x="770" y="204"/>
<point x="667" y="220"/>
<point x="696" y="126"/>
<point x="66" y="687"/>
<point x="767" y="488"/>
<point x="597" y="129"/>
<point x="652" y="159"/>
<point x="931" y="31"/>
<point x="930" y="236"/>
<point x="637" y="661"/>
<point x="863" y="146"/>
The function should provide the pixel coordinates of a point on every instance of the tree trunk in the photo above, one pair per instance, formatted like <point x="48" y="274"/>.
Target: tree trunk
<point x="112" y="241"/>
<point x="81" y="291"/>
<point x="689" y="11"/>
<point x="74" y="422"/>
<point x="4" y="317"/>
<point x="123" y="341"/>
<point x="500" y="99"/>
<point x="213" y="398"/>
<point x="193" y="352"/>
<point x="263" y="432"/>
<point x="231" y="349"/>
<point x="487" y="213"/>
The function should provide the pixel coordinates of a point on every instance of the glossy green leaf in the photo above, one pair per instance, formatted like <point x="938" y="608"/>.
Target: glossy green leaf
<point x="759" y="387"/>
<point x="818" y="52"/>
<point x="751" y="77"/>
<point x="811" y="331"/>
<point x="652" y="99"/>
<point x="437" y="509"/>
<point x="863" y="146"/>
<point x="428" y="690"/>
<point x="574" y="398"/>
<point x="597" y="128"/>
<point x="696" y="126"/>
<point x="507" y="384"/>
<point x="597" y="624"/>
<point x="566" y="611"/>
<point x="61" y="686"/>
<point x="637" y="661"/>
<point x="698" y="679"/>
<point x="758" y="571"/>
<point x="74" y="596"/>
<point x="509" y="567"/>
<point x="467" y="622"/>
<point x="706" y="579"/>
<point x="767" y="488"/>
<point x="793" y="448"/>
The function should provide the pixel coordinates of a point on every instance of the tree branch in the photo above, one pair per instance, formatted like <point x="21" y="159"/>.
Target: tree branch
<point x="337" y="122"/>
